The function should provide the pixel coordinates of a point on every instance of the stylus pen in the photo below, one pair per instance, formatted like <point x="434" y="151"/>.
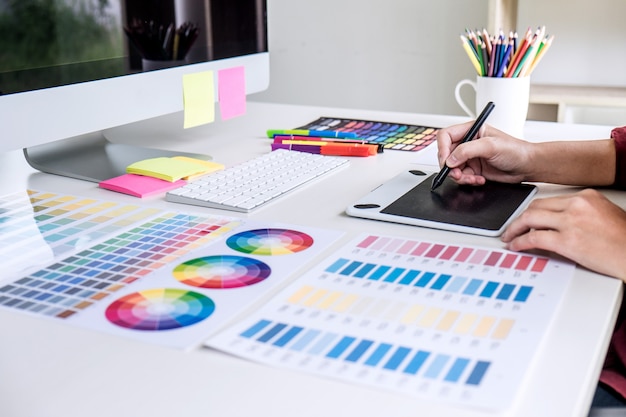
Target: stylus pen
<point x="471" y="133"/>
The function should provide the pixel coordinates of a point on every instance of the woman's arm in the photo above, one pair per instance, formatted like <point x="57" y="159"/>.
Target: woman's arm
<point x="586" y="163"/>
<point x="500" y="157"/>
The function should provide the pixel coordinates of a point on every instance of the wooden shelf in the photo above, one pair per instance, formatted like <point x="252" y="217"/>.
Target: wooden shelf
<point x="565" y="97"/>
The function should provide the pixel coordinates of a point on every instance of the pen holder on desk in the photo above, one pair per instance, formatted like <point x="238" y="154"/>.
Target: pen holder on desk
<point x="510" y="95"/>
<point x="154" y="64"/>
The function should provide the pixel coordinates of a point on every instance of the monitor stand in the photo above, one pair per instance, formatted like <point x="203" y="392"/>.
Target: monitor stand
<point x="92" y="157"/>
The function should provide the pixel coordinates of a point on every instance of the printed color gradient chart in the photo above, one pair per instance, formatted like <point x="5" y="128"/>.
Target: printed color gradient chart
<point x="161" y="277"/>
<point x="427" y="319"/>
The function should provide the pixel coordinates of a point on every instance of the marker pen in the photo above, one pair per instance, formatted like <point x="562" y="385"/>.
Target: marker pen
<point x="319" y="133"/>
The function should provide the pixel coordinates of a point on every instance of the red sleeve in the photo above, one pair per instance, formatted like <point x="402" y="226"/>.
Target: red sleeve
<point x="619" y="137"/>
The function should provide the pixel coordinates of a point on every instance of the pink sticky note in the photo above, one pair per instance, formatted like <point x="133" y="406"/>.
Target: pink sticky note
<point x="140" y="185"/>
<point x="232" y="92"/>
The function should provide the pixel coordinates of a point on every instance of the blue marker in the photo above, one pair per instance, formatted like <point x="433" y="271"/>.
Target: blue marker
<point x="315" y="133"/>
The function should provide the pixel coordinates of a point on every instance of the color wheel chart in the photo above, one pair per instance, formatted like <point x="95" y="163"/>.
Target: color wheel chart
<point x="161" y="277"/>
<point x="160" y="309"/>
<point x="221" y="271"/>
<point x="432" y="320"/>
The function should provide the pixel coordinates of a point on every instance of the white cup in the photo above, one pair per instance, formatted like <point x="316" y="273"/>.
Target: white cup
<point x="510" y="95"/>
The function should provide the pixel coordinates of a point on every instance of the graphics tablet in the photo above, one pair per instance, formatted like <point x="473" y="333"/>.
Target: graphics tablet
<point x="483" y="210"/>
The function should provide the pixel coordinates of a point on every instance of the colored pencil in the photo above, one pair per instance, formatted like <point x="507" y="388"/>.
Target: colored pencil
<point x="545" y="44"/>
<point x="530" y="54"/>
<point x="505" y="59"/>
<point x="519" y="53"/>
<point x="471" y="54"/>
<point x="501" y="56"/>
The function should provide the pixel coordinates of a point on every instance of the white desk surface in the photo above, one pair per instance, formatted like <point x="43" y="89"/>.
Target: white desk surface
<point x="50" y="369"/>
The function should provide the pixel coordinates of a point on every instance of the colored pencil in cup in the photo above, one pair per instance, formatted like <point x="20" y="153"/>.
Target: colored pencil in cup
<point x="500" y="56"/>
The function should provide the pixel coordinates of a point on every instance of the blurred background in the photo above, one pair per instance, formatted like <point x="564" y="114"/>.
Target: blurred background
<point x="405" y="55"/>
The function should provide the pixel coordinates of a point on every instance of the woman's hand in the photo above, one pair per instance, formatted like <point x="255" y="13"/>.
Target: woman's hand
<point x="493" y="155"/>
<point x="585" y="227"/>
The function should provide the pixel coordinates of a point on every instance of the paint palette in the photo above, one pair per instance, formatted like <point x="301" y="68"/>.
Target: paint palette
<point x="396" y="136"/>
<point x="428" y="319"/>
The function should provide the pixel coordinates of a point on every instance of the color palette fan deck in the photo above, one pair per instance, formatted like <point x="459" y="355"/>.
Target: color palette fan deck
<point x="428" y="319"/>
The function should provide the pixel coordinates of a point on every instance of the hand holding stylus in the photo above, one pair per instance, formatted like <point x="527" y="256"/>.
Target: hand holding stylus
<point x="470" y="135"/>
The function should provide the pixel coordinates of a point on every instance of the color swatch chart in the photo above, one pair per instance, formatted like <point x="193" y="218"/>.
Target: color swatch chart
<point x="432" y="320"/>
<point x="162" y="277"/>
<point x="396" y="136"/>
<point x="39" y="226"/>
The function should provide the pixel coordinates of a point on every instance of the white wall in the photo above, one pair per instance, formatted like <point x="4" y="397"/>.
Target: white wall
<point x="405" y="55"/>
<point x="400" y="55"/>
<point x="589" y="49"/>
<point x="590" y="40"/>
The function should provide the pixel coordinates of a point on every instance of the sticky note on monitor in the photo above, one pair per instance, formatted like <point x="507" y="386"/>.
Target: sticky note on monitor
<point x="198" y="99"/>
<point x="231" y="92"/>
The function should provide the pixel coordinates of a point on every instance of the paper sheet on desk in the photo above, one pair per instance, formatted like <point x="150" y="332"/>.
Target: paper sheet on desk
<point x="441" y="322"/>
<point x="21" y="240"/>
<point x="158" y="276"/>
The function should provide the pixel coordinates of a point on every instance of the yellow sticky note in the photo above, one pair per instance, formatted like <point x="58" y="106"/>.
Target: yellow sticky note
<point x="168" y="169"/>
<point x="198" y="98"/>
<point x="207" y="166"/>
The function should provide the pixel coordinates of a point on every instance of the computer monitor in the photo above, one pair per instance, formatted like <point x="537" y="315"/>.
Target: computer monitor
<point x="72" y="70"/>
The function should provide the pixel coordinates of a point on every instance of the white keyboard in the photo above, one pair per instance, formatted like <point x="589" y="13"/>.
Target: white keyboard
<point x="256" y="182"/>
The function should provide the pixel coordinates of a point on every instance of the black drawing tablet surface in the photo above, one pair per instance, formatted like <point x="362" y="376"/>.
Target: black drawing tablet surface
<point x="407" y="198"/>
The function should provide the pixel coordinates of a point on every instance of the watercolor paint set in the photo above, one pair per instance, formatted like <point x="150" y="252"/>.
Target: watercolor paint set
<point x="395" y="136"/>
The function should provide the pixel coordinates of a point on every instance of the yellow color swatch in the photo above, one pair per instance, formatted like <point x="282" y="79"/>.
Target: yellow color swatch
<point x="346" y="303"/>
<point x="429" y="318"/>
<point x="484" y="326"/>
<point x="300" y="294"/>
<point x="330" y="300"/>
<point x="412" y="314"/>
<point x="100" y="207"/>
<point x="448" y="320"/>
<point x="465" y="324"/>
<point x="315" y="297"/>
<point x="503" y="329"/>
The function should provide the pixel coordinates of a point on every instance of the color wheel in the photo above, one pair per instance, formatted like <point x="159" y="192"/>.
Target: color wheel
<point x="222" y="271"/>
<point x="270" y="241"/>
<point x="159" y="309"/>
